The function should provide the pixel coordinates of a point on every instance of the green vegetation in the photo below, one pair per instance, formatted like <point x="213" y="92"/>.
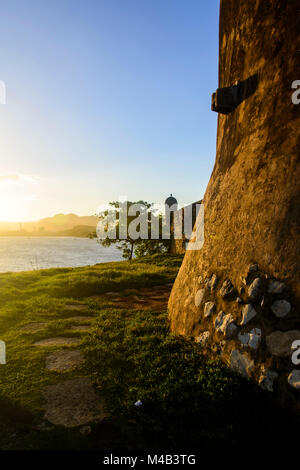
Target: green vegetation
<point x="139" y="247"/>
<point x="188" y="402"/>
<point x="38" y="286"/>
<point x="130" y="355"/>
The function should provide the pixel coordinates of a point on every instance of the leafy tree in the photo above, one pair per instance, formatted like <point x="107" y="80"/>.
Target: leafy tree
<point x="139" y="247"/>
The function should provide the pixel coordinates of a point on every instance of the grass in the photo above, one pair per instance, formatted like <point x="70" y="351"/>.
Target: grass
<point x="130" y="355"/>
<point x="83" y="282"/>
<point x="188" y="401"/>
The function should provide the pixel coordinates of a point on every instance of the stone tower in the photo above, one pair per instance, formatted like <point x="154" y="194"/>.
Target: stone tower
<point x="239" y="295"/>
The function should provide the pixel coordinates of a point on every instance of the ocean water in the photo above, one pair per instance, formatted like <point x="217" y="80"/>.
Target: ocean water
<point x="30" y="253"/>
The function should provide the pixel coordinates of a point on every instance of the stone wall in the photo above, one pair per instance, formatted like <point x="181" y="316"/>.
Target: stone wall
<point x="239" y="295"/>
<point x="178" y="246"/>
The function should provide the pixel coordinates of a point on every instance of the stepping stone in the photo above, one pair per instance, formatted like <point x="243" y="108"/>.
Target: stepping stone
<point x="130" y="292"/>
<point x="73" y="403"/>
<point x="76" y="306"/>
<point x="80" y="319"/>
<point x="84" y="328"/>
<point x="59" y="341"/>
<point x="33" y="327"/>
<point x="63" y="360"/>
<point x="112" y="294"/>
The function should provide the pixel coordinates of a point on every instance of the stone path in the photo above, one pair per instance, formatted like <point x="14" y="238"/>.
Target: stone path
<point x="33" y="327"/>
<point x="76" y="306"/>
<point x="74" y="402"/>
<point x="81" y="319"/>
<point x="59" y="341"/>
<point x="63" y="360"/>
<point x="83" y="328"/>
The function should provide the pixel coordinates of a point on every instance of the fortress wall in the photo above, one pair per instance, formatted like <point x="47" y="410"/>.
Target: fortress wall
<point x="251" y="206"/>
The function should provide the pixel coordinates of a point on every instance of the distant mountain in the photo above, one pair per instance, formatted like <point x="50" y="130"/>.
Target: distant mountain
<point x="60" y="224"/>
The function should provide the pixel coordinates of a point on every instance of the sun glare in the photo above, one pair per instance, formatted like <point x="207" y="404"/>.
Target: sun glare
<point x="12" y="204"/>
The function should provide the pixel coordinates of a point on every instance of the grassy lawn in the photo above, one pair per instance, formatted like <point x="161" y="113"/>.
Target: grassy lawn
<point x="130" y="355"/>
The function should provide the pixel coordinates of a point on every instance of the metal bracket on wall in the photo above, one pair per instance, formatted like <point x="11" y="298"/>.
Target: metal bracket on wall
<point x="225" y="100"/>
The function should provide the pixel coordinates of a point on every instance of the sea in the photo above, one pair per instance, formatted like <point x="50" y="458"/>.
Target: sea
<point x="31" y="253"/>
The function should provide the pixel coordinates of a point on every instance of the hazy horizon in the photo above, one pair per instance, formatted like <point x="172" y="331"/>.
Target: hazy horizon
<point x="45" y="217"/>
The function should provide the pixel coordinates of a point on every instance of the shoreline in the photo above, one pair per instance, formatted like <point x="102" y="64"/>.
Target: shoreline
<point x="23" y="254"/>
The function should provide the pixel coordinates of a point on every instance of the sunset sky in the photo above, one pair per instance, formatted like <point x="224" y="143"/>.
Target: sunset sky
<point x="105" y="98"/>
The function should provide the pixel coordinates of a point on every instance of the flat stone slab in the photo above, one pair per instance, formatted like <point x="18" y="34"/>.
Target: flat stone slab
<point x="83" y="328"/>
<point x="33" y="327"/>
<point x="73" y="403"/>
<point x="59" y="341"/>
<point x="80" y="319"/>
<point x="112" y="294"/>
<point x="63" y="360"/>
<point x="241" y="363"/>
<point x="279" y="343"/>
<point x="76" y="306"/>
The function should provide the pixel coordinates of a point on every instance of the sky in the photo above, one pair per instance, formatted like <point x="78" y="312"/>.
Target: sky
<point x="105" y="98"/>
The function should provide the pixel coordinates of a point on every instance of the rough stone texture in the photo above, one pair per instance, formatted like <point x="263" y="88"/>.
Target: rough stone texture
<point x="203" y="338"/>
<point x="255" y="289"/>
<point x="225" y="324"/>
<point x="280" y="343"/>
<point x="83" y="328"/>
<point x="241" y="363"/>
<point x="199" y="297"/>
<point x="281" y="308"/>
<point x="275" y="287"/>
<point x="33" y="327"/>
<point x="209" y="309"/>
<point x="294" y="379"/>
<point x="252" y="339"/>
<point x="212" y="283"/>
<point x="63" y="360"/>
<point x="73" y="403"/>
<point x="267" y="378"/>
<point x="252" y="199"/>
<point x="59" y="341"/>
<point x="117" y="294"/>
<point x="250" y="275"/>
<point x="248" y="313"/>
<point x="227" y="289"/>
<point x="78" y="307"/>
<point x="81" y="319"/>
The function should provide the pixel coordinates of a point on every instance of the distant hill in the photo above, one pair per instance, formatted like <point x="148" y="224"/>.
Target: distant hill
<point x="59" y="225"/>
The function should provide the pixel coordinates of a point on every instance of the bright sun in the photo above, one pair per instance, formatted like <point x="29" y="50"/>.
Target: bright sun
<point x="12" y="204"/>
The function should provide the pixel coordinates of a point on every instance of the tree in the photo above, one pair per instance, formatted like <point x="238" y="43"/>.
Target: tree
<point x="130" y="246"/>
